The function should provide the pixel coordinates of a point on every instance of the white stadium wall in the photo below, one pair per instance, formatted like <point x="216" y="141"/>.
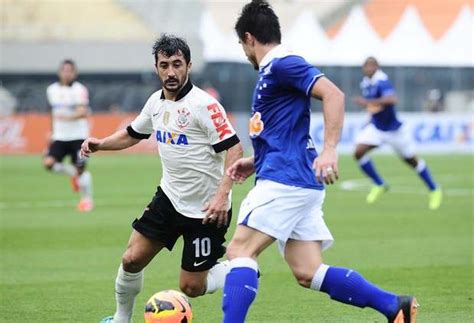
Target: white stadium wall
<point x="408" y="44"/>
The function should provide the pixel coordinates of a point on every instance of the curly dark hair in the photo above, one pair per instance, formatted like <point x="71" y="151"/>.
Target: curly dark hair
<point x="170" y="45"/>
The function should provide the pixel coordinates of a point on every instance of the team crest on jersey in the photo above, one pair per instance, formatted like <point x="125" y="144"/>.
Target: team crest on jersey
<point x="183" y="118"/>
<point x="255" y="125"/>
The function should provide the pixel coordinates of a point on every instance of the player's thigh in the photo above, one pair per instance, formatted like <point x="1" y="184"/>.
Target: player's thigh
<point x="304" y="258"/>
<point x="401" y="142"/>
<point x="311" y="225"/>
<point x="57" y="150"/>
<point x="74" y="151"/>
<point x="369" y="136"/>
<point x="140" y="251"/>
<point x="248" y="242"/>
<point x="269" y="212"/>
<point x="158" y="221"/>
<point x="203" y="244"/>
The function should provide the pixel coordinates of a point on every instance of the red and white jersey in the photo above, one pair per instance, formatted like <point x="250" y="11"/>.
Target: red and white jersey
<point x="64" y="100"/>
<point x="193" y="134"/>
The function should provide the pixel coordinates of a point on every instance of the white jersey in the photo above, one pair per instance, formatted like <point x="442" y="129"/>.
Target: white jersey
<point x="64" y="100"/>
<point x="193" y="134"/>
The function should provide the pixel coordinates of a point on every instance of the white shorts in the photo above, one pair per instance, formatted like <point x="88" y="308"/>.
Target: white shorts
<point x="398" y="139"/>
<point x="286" y="212"/>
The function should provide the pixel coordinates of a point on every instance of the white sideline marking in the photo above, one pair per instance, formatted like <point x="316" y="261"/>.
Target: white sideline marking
<point x="363" y="184"/>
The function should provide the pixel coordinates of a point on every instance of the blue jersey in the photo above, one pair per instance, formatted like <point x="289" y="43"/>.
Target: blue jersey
<point x="374" y="88"/>
<point x="279" y="127"/>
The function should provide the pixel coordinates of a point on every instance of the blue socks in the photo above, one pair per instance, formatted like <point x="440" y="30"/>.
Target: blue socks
<point x="349" y="287"/>
<point x="342" y="284"/>
<point x="368" y="168"/>
<point x="425" y="175"/>
<point x="240" y="289"/>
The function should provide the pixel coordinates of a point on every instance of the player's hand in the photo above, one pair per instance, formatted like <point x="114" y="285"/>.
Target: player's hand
<point x="325" y="166"/>
<point x="360" y="101"/>
<point x="241" y="169"/>
<point x="216" y="210"/>
<point x="89" y="146"/>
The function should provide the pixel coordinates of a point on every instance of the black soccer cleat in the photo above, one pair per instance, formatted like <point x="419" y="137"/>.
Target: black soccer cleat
<point x="407" y="310"/>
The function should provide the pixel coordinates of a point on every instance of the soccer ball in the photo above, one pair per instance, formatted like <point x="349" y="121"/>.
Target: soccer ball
<point x="168" y="306"/>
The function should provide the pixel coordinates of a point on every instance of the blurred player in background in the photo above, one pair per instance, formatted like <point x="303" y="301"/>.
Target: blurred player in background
<point x="378" y="97"/>
<point x="196" y="143"/>
<point x="286" y="203"/>
<point x="69" y="101"/>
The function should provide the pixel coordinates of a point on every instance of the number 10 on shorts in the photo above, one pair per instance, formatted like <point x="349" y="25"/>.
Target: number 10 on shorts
<point x="202" y="247"/>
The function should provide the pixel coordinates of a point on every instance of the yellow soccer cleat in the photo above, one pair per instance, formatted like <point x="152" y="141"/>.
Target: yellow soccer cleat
<point x="375" y="193"/>
<point x="436" y="197"/>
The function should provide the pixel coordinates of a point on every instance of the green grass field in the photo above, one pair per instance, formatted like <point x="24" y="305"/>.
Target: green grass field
<point x="58" y="265"/>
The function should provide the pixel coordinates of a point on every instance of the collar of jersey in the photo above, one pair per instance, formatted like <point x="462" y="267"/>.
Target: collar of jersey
<point x="276" y="52"/>
<point x="185" y="90"/>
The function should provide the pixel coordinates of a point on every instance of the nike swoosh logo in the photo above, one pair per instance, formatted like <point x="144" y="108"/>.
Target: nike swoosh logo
<point x="253" y="289"/>
<point x="155" y="114"/>
<point x="196" y="264"/>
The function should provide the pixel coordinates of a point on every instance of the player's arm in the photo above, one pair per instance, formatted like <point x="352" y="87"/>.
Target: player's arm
<point x="80" y="112"/>
<point x="117" y="141"/>
<point x="382" y="101"/>
<point x="332" y="98"/>
<point x="216" y="209"/>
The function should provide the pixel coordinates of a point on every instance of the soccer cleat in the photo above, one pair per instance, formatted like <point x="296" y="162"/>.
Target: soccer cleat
<point x="375" y="193"/>
<point x="75" y="183"/>
<point x="108" y="319"/>
<point x="407" y="310"/>
<point x="436" y="197"/>
<point x="85" y="205"/>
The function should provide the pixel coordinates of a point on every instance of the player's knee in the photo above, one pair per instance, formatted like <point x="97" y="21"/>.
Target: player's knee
<point x="304" y="279"/>
<point x="413" y="162"/>
<point x="358" y="154"/>
<point x="192" y="289"/>
<point x="80" y="170"/>
<point x="131" y="262"/>
<point x="48" y="163"/>
<point x="236" y="250"/>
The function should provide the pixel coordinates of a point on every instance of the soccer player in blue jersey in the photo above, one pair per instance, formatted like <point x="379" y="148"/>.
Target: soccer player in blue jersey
<point x="286" y="203"/>
<point x="378" y="97"/>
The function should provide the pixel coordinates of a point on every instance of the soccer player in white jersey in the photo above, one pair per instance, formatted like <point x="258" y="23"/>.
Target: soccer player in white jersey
<point x="69" y="101"/>
<point x="378" y="97"/>
<point x="286" y="203"/>
<point x="196" y="143"/>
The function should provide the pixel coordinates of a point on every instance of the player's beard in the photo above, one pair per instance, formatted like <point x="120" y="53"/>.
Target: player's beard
<point x="173" y="84"/>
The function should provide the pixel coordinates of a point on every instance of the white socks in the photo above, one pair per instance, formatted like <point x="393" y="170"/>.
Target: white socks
<point x="85" y="184"/>
<point x="64" y="169"/>
<point x="420" y="166"/>
<point x="318" y="277"/>
<point x="216" y="276"/>
<point x="127" y="287"/>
